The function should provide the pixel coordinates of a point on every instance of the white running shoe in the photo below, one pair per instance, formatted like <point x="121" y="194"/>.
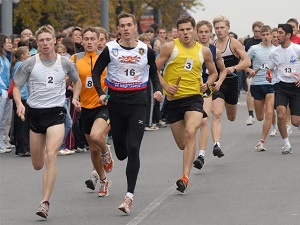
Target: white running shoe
<point x="151" y="128"/>
<point x="250" y="121"/>
<point x="92" y="181"/>
<point x="260" y="147"/>
<point x="63" y="152"/>
<point x="9" y="145"/>
<point x="274" y="132"/>
<point x="287" y="149"/>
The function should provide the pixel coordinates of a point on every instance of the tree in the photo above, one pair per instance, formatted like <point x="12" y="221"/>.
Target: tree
<point x="65" y="13"/>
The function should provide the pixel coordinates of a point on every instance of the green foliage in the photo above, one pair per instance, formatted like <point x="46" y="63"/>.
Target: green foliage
<point x="65" y="13"/>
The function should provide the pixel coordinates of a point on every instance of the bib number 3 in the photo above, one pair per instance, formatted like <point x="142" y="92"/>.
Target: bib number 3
<point x="188" y="64"/>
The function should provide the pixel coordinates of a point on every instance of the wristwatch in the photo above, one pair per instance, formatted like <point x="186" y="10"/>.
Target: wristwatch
<point x="235" y="71"/>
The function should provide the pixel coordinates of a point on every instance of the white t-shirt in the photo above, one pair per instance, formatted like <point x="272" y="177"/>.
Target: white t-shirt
<point x="287" y="61"/>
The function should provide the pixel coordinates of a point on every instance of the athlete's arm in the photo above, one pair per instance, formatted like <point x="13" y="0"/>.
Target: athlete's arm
<point x="21" y="77"/>
<point x="249" y="70"/>
<point x="99" y="67"/>
<point x="162" y="58"/>
<point x="222" y="68"/>
<point x="241" y="53"/>
<point x="153" y="75"/>
<point x="210" y="65"/>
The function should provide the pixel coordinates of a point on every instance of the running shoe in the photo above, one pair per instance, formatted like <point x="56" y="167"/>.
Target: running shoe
<point x="287" y="149"/>
<point x="217" y="151"/>
<point x="162" y="124"/>
<point x="9" y="145"/>
<point x="260" y="147"/>
<point x="126" y="205"/>
<point x="199" y="162"/>
<point x="81" y="150"/>
<point x="92" y="182"/>
<point x="108" y="161"/>
<point x="4" y="150"/>
<point x="62" y="152"/>
<point x="250" y="121"/>
<point x="43" y="209"/>
<point x="274" y="132"/>
<point x="151" y="128"/>
<point x="182" y="183"/>
<point x="289" y="129"/>
<point x="103" y="190"/>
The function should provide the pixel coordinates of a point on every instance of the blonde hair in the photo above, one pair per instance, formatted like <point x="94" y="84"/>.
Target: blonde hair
<point x="257" y="24"/>
<point x="16" y="56"/>
<point x="204" y="22"/>
<point x="45" y="29"/>
<point x="144" y="37"/>
<point x="101" y="30"/>
<point x="221" y="19"/>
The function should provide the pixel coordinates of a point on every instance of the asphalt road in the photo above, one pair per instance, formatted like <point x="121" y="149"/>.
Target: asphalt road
<point x="244" y="187"/>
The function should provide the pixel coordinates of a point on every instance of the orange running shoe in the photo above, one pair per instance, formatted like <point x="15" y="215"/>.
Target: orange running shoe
<point x="108" y="161"/>
<point x="126" y="204"/>
<point x="182" y="183"/>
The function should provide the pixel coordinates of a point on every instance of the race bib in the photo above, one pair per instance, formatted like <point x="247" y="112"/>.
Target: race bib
<point x="50" y="81"/>
<point x="188" y="64"/>
<point x="89" y="82"/>
<point x="290" y="70"/>
<point x="130" y="72"/>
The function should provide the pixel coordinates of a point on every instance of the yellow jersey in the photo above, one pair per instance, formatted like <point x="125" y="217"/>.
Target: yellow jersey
<point x="187" y="63"/>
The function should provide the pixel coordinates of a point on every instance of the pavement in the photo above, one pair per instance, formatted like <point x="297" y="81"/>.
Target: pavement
<point x="244" y="187"/>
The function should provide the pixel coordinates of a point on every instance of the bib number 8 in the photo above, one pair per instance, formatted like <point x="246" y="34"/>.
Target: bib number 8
<point x="89" y="82"/>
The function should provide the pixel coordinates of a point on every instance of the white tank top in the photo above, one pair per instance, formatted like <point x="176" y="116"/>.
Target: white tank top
<point x="128" y="70"/>
<point x="47" y="85"/>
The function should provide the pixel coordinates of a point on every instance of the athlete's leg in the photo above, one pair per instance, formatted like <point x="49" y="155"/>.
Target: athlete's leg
<point x="259" y="106"/>
<point x="250" y="101"/>
<point x="203" y="138"/>
<point x="192" y="121"/>
<point x="54" y="138"/>
<point x="135" y="133"/>
<point x="281" y="120"/>
<point x="269" y="110"/>
<point x="217" y="111"/>
<point x="97" y="143"/>
<point x="295" y="120"/>
<point x="231" y="111"/>
<point x="178" y="131"/>
<point x="37" y="149"/>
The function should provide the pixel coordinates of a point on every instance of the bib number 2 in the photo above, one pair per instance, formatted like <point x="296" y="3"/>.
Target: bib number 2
<point x="50" y="81"/>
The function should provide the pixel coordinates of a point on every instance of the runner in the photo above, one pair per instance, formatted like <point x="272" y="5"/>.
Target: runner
<point x="184" y="103"/>
<point x="261" y="90"/>
<point x="94" y="116"/>
<point x="45" y="75"/>
<point x="130" y="63"/>
<point x="235" y="59"/>
<point x="204" y="31"/>
<point x="287" y="89"/>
